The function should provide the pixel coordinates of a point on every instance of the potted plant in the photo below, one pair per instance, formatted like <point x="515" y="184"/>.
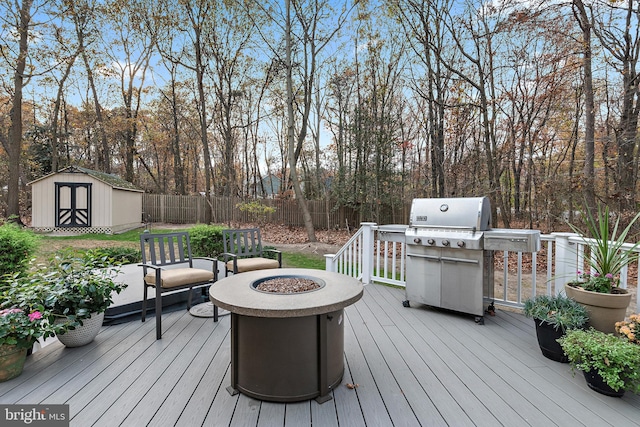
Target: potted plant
<point x="22" y="319"/>
<point x="598" y="289"/>
<point x="79" y="290"/>
<point x="553" y="316"/>
<point x="610" y="364"/>
<point x="19" y="330"/>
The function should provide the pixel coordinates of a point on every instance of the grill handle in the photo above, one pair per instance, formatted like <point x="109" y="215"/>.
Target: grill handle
<point x="452" y="227"/>
<point x="444" y="259"/>
<point x="462" y="260"/>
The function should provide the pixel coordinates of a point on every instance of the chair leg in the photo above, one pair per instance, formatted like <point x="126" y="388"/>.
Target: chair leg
<point x="158" y="313"/>
<point x="215" y="313"/>
<point x="144" y="303"/>
<point x="189" y="297"/>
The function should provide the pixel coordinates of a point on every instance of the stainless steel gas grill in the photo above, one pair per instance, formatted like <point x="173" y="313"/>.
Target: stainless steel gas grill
<point x="450" y="253"/>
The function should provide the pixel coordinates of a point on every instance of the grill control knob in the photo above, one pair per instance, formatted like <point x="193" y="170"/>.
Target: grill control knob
<point x="431" y="241"/>
<point x="461" y="243"/>
<point x="417" y="240"/>
<point x="445" y="243"/>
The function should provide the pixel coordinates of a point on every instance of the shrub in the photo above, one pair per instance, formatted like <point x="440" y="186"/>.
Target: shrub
<point x="206" y="240"/>
<point x="256" y="210"/>
<point x="17" y="246"/>
<point x="114" y="256"/>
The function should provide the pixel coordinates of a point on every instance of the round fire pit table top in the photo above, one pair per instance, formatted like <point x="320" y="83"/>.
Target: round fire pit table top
<point x="236" y="294"/>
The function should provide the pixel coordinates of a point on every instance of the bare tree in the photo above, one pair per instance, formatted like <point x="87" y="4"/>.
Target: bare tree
<point x="129" y="48"/>
<point x="474" y="36"/>
<point x="588" y="172"/>
<point x="423" y="22"/>
<point x="20" y="21"/>
<point x="617" y="27"/>
<point x="84" y="14"/>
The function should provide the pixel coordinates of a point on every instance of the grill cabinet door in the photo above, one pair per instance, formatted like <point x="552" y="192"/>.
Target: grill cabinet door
<point x="462" y="281"/>
<point x="423" y="275"/>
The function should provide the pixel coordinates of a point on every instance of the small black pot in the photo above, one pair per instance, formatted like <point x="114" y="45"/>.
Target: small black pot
<point x="547" y="336"/>
<point x="596" y="383"/>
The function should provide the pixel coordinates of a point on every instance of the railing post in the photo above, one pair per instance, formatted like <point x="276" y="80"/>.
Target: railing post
<point x="368" y="229"/>
<point x="328" y="262"/>
<point x="566" y="256"/>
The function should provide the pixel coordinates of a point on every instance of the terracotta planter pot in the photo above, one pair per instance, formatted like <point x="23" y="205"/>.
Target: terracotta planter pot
<point x="596" y="383"/>
<point x="604" y="309"/>
<point x="11" y="361"/>
<point x="84" y="334"/>
<point x="547" y="336"/>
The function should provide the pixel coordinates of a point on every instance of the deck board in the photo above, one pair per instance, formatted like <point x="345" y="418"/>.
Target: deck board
<point x="409" y="367"/>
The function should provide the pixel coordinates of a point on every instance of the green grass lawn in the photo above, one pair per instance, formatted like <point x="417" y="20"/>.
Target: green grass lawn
<point x="50" y="244"/>
<point x="297" y="260"/>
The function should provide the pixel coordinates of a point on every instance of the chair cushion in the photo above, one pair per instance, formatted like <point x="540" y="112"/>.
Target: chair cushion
<point x="177" y="277"/>
<point x="250" y="264"/>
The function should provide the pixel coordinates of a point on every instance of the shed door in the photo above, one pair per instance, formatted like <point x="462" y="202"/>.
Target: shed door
<point x="73" y="204"/>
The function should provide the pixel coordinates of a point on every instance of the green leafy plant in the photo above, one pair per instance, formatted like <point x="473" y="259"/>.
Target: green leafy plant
<point x="607" y="254"/>
<point x="17" y="247"/>
<point x="113" y="256"/>
<point x="558" y="311"/>
<point x="22" y="328"/>
<point x="615" y="359"/>
<point x="77" y="287"/>
<point x="206" y="240"/>
<point x="24" y="316"/>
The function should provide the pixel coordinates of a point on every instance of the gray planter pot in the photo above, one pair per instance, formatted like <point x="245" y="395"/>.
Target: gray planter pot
<point x="84" y="334"/>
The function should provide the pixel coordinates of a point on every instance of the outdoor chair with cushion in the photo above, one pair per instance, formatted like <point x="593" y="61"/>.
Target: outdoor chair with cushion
<point x="243" y="252"/>
<point x="167" y="265"/>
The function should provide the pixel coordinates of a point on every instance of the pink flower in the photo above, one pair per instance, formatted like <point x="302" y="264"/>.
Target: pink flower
<point x="35" y="315"/>
<point x="609" y="276"/>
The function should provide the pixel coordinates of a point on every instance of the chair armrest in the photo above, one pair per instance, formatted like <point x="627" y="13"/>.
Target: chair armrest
<point x="157" y="272"/>
<point x="226" y="256"/>
<point x="277" y="253"/>
<point x="153" y="266"/>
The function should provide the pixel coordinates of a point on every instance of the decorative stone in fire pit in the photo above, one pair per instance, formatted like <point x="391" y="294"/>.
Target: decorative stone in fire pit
<point x="287" y="331"/>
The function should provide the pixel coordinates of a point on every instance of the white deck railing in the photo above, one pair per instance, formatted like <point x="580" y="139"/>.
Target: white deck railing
<point x="377" y="253"/>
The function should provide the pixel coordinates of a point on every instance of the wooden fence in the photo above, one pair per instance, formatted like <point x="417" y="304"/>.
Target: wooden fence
<point x="224" y="210"/>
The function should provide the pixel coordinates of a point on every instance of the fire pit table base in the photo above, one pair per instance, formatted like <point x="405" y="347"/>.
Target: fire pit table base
<point x="265" y="365"/>
<point x="286" y="347"/>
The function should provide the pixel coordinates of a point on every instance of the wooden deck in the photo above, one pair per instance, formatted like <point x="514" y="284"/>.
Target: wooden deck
<point x="412" y="366"/>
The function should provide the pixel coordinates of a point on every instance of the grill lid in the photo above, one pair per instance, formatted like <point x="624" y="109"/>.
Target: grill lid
<point x="471" y="213"/>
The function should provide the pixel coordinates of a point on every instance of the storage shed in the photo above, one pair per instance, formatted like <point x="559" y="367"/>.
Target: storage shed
<point x="80" y="200"/>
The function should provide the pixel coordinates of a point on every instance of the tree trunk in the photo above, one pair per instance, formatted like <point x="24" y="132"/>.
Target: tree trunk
<point x="291" y="140"/>
<point x="588" y="170"/>
<point x="15" y="132"/>
<point x="202" y="110"/>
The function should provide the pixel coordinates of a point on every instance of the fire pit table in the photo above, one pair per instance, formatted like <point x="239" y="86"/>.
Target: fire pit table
<point x="286" y="347"/>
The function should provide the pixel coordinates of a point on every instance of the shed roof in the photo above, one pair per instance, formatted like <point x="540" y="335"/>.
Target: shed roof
<point x="113" y="181"/>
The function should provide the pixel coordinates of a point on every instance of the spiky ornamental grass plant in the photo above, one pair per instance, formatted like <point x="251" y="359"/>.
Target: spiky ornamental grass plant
<point x="608" y="255"/>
